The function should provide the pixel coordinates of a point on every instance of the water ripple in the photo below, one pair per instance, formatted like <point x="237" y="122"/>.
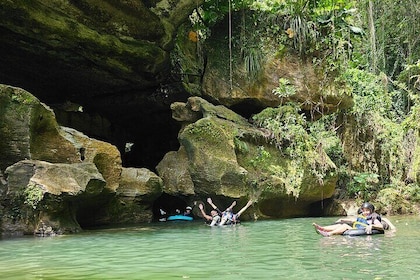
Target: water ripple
<point x="284" y="249"/>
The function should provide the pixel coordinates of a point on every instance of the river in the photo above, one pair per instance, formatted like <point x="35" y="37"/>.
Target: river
<point x="275" y="249"/>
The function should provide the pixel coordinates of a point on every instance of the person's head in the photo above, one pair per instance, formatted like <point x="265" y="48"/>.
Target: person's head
<point x="188" y="208"/>
<point x="367" y="208"/>
<point x="213" y="213"/>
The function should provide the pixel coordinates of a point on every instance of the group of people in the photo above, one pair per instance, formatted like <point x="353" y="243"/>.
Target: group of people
<point x="216" y="217"/>
<point x="367" y="220"/>
<point x="164" y="215"/>
<point x="220" y="218"/>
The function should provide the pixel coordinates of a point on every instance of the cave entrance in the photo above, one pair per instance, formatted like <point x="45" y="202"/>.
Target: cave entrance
<point x="170" y="205"/>
<point x="93" y="211"/>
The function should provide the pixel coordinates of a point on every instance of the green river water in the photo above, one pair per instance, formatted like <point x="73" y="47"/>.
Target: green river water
<point x="280" y="249"/>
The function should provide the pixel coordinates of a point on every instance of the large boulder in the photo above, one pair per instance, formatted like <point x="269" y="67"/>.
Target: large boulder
<point x="30" y="131"/>
<point x="173" y="169"/>
<point x="42" y="194"/>
<point x="138" y="189"/>
<point x="105" y="156"/>
<point x="223" y="156"/>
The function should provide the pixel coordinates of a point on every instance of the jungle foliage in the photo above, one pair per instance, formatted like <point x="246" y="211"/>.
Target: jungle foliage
<point x="370" y="45"/>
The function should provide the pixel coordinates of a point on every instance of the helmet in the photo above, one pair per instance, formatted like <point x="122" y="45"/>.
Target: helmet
<point x="188" y="208"/>
<point x="368" y="206"/>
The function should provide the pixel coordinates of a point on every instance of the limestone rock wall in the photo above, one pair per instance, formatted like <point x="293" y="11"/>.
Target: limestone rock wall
<point x="42" y="194"/>
<point x="217" y="154"/>
<point x="92" y="47"/>
<point x="57" y="179"/>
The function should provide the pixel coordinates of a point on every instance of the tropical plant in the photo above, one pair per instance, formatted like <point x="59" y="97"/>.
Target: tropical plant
<point x="292" y="134"/>
<point x="285" y="89"/>
<point x="393" y="32"/>
<point x="252" y="59"/>
<point x="363" y="185"/>
<point x="33" y="194"/>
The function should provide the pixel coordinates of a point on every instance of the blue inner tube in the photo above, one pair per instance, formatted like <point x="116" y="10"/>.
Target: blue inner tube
<point x="359" y="232"/>
<point x="179" y="218"/>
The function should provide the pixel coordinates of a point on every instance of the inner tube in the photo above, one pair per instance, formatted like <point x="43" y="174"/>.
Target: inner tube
<point x="179" y="218"/>
<point x="359" y="232"/>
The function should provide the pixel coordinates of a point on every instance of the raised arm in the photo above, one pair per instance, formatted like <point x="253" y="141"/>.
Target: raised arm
<point x="211" y="203"/>
<point x="231" y="206"/>
<point x="244" y="208"/>
<point x="205" y="216"/>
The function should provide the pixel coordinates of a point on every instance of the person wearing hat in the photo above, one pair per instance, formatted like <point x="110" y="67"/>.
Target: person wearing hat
<point x="367" y="220"/>
<point x="188" y="211"/>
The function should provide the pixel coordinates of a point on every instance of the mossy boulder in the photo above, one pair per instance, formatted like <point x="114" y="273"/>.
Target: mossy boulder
<point x="43" y="194"/>
<point x="139" y="184"/>
<point x="173" y="169"/>
<point x="30" y="131"/>
<point x="227" y="157"/>
<point x="212" y="161"/>
<point x="105" y="156"/>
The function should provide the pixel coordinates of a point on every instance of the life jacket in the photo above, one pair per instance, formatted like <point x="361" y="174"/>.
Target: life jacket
<point x="362" y="221"/>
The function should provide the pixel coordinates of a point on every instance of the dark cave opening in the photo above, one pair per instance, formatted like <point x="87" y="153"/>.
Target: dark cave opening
<point x="92" y="212"/>
<point x="139" y="125"/>
<point x="170" y="204"/>
<point x="247" y="108"/>
<point x="102" y="103"/>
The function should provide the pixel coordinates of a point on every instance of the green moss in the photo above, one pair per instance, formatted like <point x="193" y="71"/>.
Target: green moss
<point x="204" y="130"/>
<point x="240" y="146"/>
<point x="271" y="172"/>
<point x="21" y="96"/>
<point x="33" y="194"/>
<point x="290" y="176"/>
<point x="61" y="29"/>
<point x="211" y="134"/>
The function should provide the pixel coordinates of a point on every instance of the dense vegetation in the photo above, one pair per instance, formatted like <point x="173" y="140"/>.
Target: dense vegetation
<point x="372" y="47"/>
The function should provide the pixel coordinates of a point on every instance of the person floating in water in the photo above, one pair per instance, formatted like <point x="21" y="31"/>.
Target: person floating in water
<point x="227" y="216"/>
<point x="188" y="211"/>
<point x="213" y="218"/>
<point x="367" y="220"/>
<point x="386" y="223"/>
